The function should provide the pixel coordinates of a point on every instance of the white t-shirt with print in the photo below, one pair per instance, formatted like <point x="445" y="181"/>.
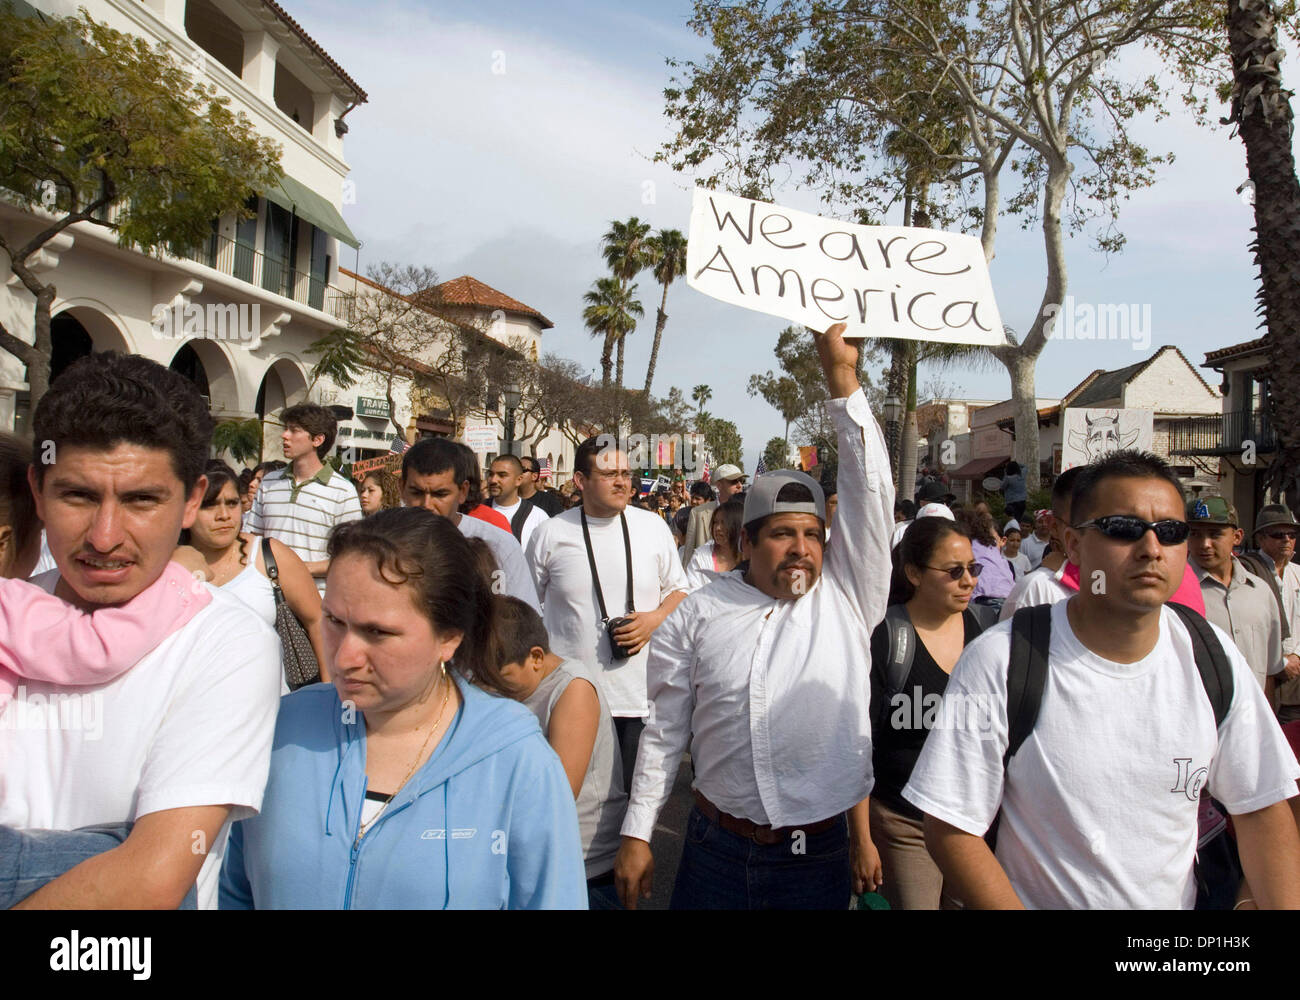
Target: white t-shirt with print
<point x="558" y="558"/>
<point x="1099" y="804"/>
<point x="535" y="519"/>
<point x="189" y="725"/>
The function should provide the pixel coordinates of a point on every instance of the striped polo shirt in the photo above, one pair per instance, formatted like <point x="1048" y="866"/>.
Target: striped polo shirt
<point x="301" y="516"/>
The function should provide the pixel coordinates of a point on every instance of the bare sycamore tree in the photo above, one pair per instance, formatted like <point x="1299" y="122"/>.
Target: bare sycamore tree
<point x="401" y="331"/>
<point x="798" y="91"/>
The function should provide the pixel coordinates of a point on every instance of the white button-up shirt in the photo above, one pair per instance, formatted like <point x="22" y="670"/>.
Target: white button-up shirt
<point x="774" y="695"/>
<point x="1289" y="581"/>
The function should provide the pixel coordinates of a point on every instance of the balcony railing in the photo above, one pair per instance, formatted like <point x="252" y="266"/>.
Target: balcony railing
<point x="239" y="260"/>
<point x="1221" y="434"/>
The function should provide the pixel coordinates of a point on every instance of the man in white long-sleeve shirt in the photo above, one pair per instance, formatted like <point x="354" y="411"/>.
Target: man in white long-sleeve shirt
<point x="765" y="673"/>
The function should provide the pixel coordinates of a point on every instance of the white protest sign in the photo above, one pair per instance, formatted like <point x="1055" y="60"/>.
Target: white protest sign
<point x="883" y="281"/>
<point x="481" y="438"/>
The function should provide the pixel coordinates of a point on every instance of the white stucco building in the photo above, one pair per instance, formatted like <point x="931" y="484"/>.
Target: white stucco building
<point x="237" y="316"/>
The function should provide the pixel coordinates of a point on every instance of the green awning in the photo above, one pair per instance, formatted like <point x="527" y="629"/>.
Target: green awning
<point x="307" y="204"/>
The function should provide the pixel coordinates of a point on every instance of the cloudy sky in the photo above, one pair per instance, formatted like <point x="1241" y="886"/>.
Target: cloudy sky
<point x="501" y="138"/>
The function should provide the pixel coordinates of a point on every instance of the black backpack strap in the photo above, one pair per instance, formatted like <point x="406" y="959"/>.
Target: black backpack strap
<point x="985" y="615"/>
<point x="902" y="647"/>
<point x="1031" y="638"/>
<point x="1211" y="661"/>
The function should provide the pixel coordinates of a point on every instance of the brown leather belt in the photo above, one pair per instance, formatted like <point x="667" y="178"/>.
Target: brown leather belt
<point x="759" y="834"/>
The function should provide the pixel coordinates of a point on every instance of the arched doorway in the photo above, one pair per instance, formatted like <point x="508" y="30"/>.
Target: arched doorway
<point x="75" y="332"/>
<point x="187" y="363"/>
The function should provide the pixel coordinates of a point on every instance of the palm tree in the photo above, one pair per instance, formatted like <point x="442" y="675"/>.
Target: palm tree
<point x="701" y="394"/>
<point x="625" y="250"/>
<point x="668" y="261"/>
<point x="611" y="312"/>
<point x="1261" y="110"/>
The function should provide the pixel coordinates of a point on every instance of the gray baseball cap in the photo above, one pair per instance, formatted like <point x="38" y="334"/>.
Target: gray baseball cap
<point x="760" y="500"/>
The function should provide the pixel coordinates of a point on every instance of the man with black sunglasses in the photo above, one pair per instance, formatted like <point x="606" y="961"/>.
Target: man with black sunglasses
<point x="1236" y="600"/>
<point x="1097" y="808"/>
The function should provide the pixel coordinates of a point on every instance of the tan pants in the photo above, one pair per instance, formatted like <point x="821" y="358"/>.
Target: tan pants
<point x="912" y="881"/>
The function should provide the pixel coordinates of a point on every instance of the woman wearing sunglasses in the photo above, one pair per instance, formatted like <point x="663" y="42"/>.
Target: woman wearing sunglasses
<point x="932" y="588"/>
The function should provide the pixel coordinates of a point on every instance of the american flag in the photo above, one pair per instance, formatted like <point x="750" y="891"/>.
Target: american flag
<point x="543" y="468"/>
<point x="761" y="467"/>
<point x="398" y="446"/>
<point x="704" y="477"/>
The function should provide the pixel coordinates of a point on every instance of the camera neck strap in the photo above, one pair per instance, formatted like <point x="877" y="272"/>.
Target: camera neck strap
<point x="591" y="559"/>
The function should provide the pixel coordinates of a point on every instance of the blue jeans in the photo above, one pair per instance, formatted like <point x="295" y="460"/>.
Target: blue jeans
<point x="721" y="870"/>
<point x="601" y="894"/>
<point x="31" y="858"/>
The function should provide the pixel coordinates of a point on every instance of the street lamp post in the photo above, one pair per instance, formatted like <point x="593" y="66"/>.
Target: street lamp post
<point x="511" y="397"/>
<point x="893" y="413"/>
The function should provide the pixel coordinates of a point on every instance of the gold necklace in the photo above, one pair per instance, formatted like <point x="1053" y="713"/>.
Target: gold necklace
<point x="361" y="832"/>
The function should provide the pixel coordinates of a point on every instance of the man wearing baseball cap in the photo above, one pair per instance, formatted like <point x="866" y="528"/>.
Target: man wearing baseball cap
<point x="1275" y="537"/>
<point x="1235" y="599"/>
<point x="762" y="674"/>
<point x="729" y="481"/>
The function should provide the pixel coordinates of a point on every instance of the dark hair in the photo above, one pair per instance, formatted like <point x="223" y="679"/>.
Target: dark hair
<point x="702" y="489"/>
<point x="732" y="515"/>
<point x="314" y="420"/>
<point x="245" y="478"/>
<point x="519" y="628"/>
<point x="1126" y="464"/>
<point x="411" y="545"/>
<point x="265" y="467"/>
<point x="485" y="561"/>
<point x="589" y="449"/>
<point x="388" y="486"/>
<point x="789" y="493"/>
<point x="909" y="509"/>
<point x="103" y="400"/>
<point x="916" y="549"/>
<point x="533" y="465"/>
<point x="1013" y="468"/>
<point x="17" y="506"/>
<point x="468" y="471"/>
<point x="218" y="473"/>
<point x="519" y="466"/>
<point x="431" y="457"/>
<point x="979" y="525"/>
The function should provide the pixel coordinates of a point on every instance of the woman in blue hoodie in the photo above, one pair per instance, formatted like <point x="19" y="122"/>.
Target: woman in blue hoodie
<point x="403" y="785"/>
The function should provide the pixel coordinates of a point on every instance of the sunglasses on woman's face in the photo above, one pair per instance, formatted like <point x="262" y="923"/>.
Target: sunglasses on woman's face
<point x="1127" y="528"/>
<point x="956" y="572"/>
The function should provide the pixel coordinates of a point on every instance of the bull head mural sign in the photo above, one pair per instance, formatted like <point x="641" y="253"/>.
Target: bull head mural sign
<point x="1089" y="434"/>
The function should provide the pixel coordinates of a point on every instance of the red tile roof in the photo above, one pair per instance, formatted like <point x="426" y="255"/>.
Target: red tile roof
<point x="312" y="44"/>
<point x="1236" y="350"/>
<point x="468" y="291"/>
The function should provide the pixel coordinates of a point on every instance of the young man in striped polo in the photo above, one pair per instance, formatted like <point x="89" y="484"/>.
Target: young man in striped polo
<point x="300" y="504"/>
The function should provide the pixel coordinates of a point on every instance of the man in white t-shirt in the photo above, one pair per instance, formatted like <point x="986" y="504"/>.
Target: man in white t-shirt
<point x="182" y="743"/>
<point x="624" y="540"/>
<point x="431" y="479"/>
<point x="505" y="475"/>
<point x="1036" y="542"/>
<point x="1099" y="806"/>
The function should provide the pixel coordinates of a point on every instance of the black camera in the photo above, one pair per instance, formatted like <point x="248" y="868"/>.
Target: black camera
<point x="617" y="652"/>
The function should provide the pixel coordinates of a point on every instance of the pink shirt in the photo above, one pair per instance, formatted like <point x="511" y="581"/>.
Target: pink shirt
<point x="42" y="637"/>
